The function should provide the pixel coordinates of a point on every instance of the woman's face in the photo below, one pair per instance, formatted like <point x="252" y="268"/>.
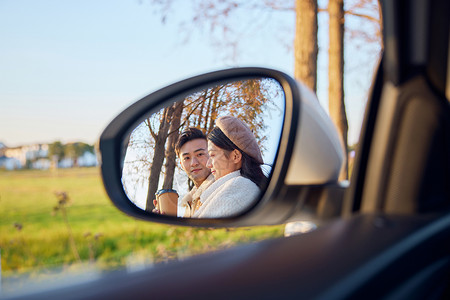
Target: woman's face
<point x="219" y="163"/>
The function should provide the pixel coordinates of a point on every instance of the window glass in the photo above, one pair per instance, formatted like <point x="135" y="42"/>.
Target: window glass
<point x="69" y="67"/>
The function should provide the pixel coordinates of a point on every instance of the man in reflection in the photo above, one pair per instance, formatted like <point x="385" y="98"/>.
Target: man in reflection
<point x="192" y="150"/>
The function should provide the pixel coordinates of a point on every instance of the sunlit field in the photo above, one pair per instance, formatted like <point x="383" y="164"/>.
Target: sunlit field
<point x="40" y="230"/>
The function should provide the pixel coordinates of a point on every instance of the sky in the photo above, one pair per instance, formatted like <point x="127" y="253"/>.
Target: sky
<point x="69" y="67"/>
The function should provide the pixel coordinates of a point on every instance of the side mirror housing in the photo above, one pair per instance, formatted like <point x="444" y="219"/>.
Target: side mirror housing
<point x="299" y="143"/>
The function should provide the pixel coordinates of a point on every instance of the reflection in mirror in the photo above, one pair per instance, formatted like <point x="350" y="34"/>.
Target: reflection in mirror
<point x="209" y="155"/>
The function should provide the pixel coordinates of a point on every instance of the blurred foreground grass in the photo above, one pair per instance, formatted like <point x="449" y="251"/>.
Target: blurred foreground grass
<point x="33" y="237"/>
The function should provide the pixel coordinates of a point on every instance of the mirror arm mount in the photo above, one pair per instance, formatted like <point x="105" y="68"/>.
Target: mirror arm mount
<point x="318" y="203"/>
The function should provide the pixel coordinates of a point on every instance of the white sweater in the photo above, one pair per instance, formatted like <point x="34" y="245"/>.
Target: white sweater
<point x="188" y="202"/>
<point x="227" y="196"/>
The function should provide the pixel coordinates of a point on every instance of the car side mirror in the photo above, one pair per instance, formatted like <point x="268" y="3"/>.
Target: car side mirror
<point x="238" y="147"/>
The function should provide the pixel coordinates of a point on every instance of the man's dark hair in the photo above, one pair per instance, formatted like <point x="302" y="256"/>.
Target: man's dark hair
<point x="187" y="135"/>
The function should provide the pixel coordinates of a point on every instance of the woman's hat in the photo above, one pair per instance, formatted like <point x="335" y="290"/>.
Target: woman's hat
<point x="240" y="135"/>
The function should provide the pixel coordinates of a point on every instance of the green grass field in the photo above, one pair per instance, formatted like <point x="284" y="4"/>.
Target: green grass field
<point x="35" y="238"/>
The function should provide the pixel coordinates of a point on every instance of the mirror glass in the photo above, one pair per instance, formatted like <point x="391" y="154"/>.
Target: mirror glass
<point x="208" y="155"/>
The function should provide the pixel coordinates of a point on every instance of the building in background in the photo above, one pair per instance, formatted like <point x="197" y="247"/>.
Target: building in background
<point x="36" y="156"/>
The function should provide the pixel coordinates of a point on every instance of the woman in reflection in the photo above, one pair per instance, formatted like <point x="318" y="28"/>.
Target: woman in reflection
<point x="235" y="161"/>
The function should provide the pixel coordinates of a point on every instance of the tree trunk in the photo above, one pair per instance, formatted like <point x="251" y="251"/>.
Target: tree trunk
<point x="207" y="115"/>
<point x="305" y="43"/>
<point x="158" y="156"/>
<point x="336" y="73"/>
<point x="214" y="111"/>
<point x="200" y="115"/>
<point x="169" y="166"/>
<point x="380" y="23"/>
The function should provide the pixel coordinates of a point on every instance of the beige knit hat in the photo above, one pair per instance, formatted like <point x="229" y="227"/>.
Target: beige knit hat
<point x="240" y="135"/>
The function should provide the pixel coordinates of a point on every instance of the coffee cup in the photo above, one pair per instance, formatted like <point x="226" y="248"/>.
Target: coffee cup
<point x="167" y="201"/>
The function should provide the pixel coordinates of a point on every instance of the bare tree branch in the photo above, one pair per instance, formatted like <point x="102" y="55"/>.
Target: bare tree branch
<point x="367" y="17"/>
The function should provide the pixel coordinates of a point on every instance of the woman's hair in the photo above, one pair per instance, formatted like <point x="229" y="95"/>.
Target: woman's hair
<point x="250" y="169"/>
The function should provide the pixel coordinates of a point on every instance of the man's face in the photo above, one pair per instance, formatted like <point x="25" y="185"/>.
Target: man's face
<point x="193" y="158"/>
